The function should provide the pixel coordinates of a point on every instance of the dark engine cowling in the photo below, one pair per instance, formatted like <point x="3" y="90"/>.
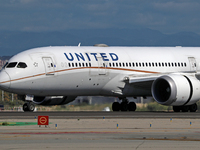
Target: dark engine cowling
<point x="53" y="100"/>
<point x="176" y="90"/>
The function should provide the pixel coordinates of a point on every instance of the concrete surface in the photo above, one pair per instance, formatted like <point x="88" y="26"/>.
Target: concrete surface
<point x="103" y="134"/>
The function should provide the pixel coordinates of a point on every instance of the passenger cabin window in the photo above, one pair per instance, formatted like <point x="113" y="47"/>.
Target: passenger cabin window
<point x="11" y="65"/>
<point x="21" y="65"/>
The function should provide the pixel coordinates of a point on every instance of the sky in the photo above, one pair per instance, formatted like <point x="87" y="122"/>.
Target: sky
<point x="166" y="16"/>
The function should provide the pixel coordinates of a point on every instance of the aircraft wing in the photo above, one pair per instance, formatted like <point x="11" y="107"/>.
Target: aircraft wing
<point x="142" y="78"/>
<point x="142" y="81"/>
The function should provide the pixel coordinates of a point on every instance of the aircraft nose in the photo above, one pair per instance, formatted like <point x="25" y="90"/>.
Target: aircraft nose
<point x="4" y="81"/>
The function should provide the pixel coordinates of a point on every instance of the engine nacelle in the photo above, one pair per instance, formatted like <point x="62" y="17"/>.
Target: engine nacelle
<point x="53" y="100"/>
<point x="176" y="90"/>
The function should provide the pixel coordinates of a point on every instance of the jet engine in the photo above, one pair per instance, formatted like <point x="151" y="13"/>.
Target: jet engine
<point x="176" y="90"/>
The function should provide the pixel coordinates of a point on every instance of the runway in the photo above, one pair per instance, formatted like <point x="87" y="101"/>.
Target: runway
<point x="98" y="115"/>
<point x="102" y="130"/>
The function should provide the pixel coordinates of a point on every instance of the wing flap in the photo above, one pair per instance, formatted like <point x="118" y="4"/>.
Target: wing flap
<point x="141" y="78"/>
<point x="142" y="81"/>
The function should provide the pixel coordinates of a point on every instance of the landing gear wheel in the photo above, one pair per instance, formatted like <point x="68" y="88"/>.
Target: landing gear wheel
<point x="116" y="106"/>
<point x="132" y="106"/>
<point x="31" y="107"/>
<point x="176" y="108"/>
<point x="193" y="107"/>
<point x="185" y="108"/>
<point x="28" y="107"/>
<point x="124" y="106"/>
<point x="25" y="107"/>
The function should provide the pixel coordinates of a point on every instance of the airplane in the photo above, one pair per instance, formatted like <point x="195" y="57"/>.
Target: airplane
<point x="56" y="75"/>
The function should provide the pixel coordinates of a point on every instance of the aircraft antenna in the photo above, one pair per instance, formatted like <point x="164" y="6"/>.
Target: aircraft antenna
<point x="79" y="44"/>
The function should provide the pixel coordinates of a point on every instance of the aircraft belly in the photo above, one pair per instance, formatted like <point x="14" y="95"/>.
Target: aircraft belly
<point x="29" y="86"/>
<point x="74" y="84"/>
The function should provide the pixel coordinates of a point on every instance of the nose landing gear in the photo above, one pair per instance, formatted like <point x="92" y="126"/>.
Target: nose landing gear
<point x="29" y="107"/>
<point x="124" y="105"/>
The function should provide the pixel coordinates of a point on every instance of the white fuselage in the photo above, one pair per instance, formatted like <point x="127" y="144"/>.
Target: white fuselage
<point x="79" y="71"/>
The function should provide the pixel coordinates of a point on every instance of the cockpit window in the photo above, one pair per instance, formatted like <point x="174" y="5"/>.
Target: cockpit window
<point x="11" y="65"/>
<point x="5" y="65"/>
<point x="21" y="65"/>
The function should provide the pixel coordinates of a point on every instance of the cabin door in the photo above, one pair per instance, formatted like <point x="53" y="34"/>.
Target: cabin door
<point x="192" y="61"/>
<point x="101" y="66"/>
<point x="49" y="65"/>
<point x="98" y="66"/>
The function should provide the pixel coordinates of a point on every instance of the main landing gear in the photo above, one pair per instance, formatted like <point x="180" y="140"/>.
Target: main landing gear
<point x="124" y="105"/>
<point x="29" y="107"/>
<point x="191" y="108"/>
